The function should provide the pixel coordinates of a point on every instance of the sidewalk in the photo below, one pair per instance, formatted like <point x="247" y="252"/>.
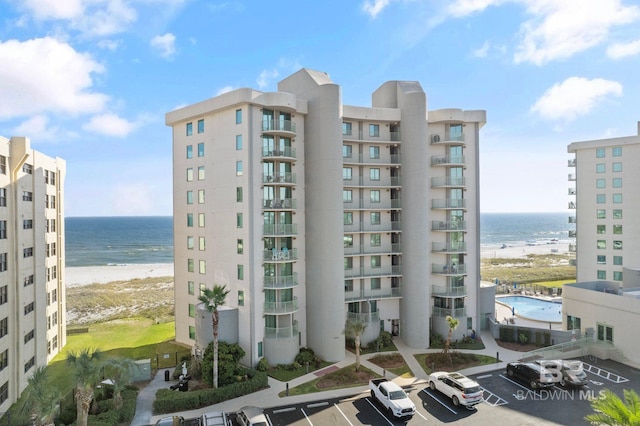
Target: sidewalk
<point x="269" y="397"/>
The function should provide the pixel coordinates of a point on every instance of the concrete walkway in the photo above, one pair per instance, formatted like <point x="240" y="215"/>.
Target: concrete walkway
<point x="269" y="397"/>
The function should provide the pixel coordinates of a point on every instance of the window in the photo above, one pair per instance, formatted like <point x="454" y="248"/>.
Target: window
<point x="348" y="241"/>
<point x="617" y="229"/>
<point x="348" y="263"/>
<point x="189" y="197"/>
<point x="616" y="167"/>
<point x="617" y="275"/>
<point x="616" y="183"/>
<point x="600" y="153"/>
<point x="348" y="218"/>
<point x="189" y="151"/>
<point x="29" y="336"/>
<point x="27" y="252"/>
<point x="202" y="243"/>
<point x="601" y="183"/>
<point x="375" y="218"/>
<point x="3" y="165"/>
<point x="29" y="364"/>
<point x="189" y="243"/>
<point x="374" y="152"/>
<point x="259" y="349"/>
<point x="3" y="262"/>
<point x="4" y="359"/>
<point x="347" y="151"/>
<point x="375" y="240"/>
<point x="4" y="392"/>
<point x="617" y="260"/>
<point x="239" y="220"/>
<point x="240" y="272"/>
<point x="347" y="196"/>
<point x="374" y="195"/>
<point x="201" y="149"/>
<point x="601" y="214"/>
<point x="616" y="151"/>
<point x="201" y="126"/>
<point x="617" y="198"/>
<point x="53" y="201"/>
<point x="601" y="229"/>
<point x="346" y="173"/>
<point x="374" y="130"/>
<point x="348" y="285"/>
<point x="374" y="174"/>
<point x="189" y="174"/>
<point x="239" y="194"/>
<point x="192" y="310"/>
<point x="201" y="196"/>
<point x="27" y="224"/>
<point x="202" y="266"/>
<point x="201" y="173"/>
<point x="200" y="220"/>
<point x="375" y="283"/>
<point x="191" y="286"/>
<point x="54" y="295"/>
<point x="601" y="168"/>
<point x="346" y="129"/>
<point x="617" y="245"/>
<point x="191" y="266"/>
<point x="3" y="197"/>
<point x="27" y="196"/>
<point x="52" y="177"/>
<point x="601" y="244"/>
<point x="3" y="229"/>
<point x="238" y="168"/>
<point x="202" y="288"/>
<point x="238" y="142"/>
<point x="240" y="297"/>
<point x="4" y="294"/>
<point x="240" y="246"/>
<point x="190" y="220"/>
<point x="238" y="116"/>
<point x="602" y="259"/>
<point x="617" y="213"/>
<point x="376" y="261"/>
<point x="27" y="168"/>
<point x="601" y="198"/>
<point x="4" y="327"/>
<point x="602" y="275"/>
<point x="192" y="332"/>
<point x="189" y="129"/>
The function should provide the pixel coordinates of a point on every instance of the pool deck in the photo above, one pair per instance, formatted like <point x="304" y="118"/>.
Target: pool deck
<point x="503" y="314"/>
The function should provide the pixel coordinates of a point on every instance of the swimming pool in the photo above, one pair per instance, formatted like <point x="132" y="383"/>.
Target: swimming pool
<point x="534" y="309"/>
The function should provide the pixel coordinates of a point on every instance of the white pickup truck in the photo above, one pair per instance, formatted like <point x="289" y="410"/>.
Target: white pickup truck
<point x="216" y="418"/>
<point x="393" y="398"/>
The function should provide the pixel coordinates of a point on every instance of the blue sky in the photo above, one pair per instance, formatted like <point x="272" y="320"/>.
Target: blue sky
<point x="91" y="80"/>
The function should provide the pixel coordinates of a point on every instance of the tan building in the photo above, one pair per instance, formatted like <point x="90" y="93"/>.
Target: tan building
<point x="313" y="213"/>
<point x="32" y="293"/>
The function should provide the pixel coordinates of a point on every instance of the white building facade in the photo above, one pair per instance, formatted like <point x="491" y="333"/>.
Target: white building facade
<point x="32" y="293"/>
<point x="313" y="213"/>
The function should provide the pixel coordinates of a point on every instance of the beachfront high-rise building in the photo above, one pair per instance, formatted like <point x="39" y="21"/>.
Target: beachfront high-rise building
<point x="314" y="213"/>
<point x="32" y="294"/>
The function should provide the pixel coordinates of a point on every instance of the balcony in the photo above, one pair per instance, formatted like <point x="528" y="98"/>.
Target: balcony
<point x="572" y="219"/>
<point x="278" y="308"/>
<point x="447" y="138"/>
<point x="573" y="248"/>
<point x="572" y="233"/>
<point x="448" y="182"/>
<point x="272" y="178"/>
<point x="572" y="205"/>
<point x="275" y="255"/>
<point x="452" y="247"/>
<point x="572" y="162"/>
<point x="449" y="291"/>
<point x="572" y="177"/>
<point x="366" y="204"/>
<point x="280" y="281"/>
<point x="284" y="153"/>
<point x="280" y="229"/>
<point x="455" y="313"/>
<point x="365" y="249"/>
<point x="573" y="262"/>
<point x="447" y="160"/>
<point x="366" y="318"/>
<point x="386" y="271"/>
<point x="372" y="227"/>
<point x="572" y="191"/>
<point x="449" y="269"/>
<point x="383" y="159"/>
<point x="449" y="203"/>
<point x="281" y="332"/>
<point x="362" y="181"/>
<point x="457" y="225"/>
<point x="384" y="293"/>
<point x="279" y="204"/>
<point x="286" y="128"/>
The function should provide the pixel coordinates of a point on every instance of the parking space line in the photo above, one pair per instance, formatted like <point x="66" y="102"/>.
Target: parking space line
<point x="441" y="403"/>
<point x="343" y="415"/>
<point x="306" y="417"/>
<point x="499" y="400"/>
<point x="379" y="412"/>
<point x="284" y="410"/>
<point x="612" y="377"/>
<point x="317" y="404"/>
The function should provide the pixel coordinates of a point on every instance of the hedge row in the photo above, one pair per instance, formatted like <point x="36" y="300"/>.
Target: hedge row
<point x="171" y="401"/>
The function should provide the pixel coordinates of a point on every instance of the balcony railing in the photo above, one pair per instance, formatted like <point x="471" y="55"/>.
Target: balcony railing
<point x="366" y="181"/>
<point x="372" y="227"/>
<point x="448" y="181"/>
<point x="446" y="137"/>
<point x="572" y="233"/>
<point x="394" y="136"/>
<point x="280" y="281"/>
<point x="572" y="162"/>
<point x="449" y="203"/>
<point x="573" y="248"/>
<point x="366" y="159"/>
<point x="279" y="203"/>
<point x="572" y="191"/>
<point x="456" y="225"/>
<point x="367" y="318"/>
<point x="572" y="205"/>
<point x="275" y="255"/>
<point x="280" y="229"/>
<point x="452" y="247"/>
<point x="455" y="313"/>
<point x="285" y="151"/>
<point x="441" y="160"/>
<point x="383" y="293"/>
<point x="373" y="272"/>
<point x="449" y="269"/>
<point x="573" y="262"/>
<point x="364" y="249"/>
<point x="572" y="177"/>
<point x="279" y="177"/>
<point x="453" y="291"/>
<point x="278" y="308"/>
<point x="287" y="126"/>
<point x="369" y="205"/>
<point x="281" y="332"/>
<point x="572" y="219"/>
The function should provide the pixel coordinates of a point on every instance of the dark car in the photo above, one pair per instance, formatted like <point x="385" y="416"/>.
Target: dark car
<point x="530" y="373"/>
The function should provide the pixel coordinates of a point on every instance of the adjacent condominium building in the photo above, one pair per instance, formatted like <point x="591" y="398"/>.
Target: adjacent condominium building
<point x="32" y="294"/>
<point x="314" y="213"/>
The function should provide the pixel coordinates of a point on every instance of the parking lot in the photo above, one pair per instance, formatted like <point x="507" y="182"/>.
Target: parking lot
<point x="506" y="402"/>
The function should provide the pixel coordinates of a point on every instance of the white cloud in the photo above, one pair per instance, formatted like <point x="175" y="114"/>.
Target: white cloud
<point x="265" y="78"/>
<point x="621" y="50"/>
<point x="109" y="124"/>
<point x="225" y="89"/>
<point x="111" y="45"/>
<point x="574" y="97"/>
<point x="46" y="75"/>
<point x="482" y="51"/>
<point x="165" y="44"/>
<point x="374" y="7"/>
<point x="466" y="7"/>
<point x="37" y="128"/>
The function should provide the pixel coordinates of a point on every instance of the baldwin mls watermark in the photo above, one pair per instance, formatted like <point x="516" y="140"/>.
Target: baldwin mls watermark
<point x="559" y="395"/>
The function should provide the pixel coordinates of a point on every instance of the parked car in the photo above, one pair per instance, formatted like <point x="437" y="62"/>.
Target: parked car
<point x="531" y="373"/>
<point x="565" y="372"/>
<point x="171" y="421"/>
<point x="251" y="416"/>
<point x="461" y="389"/>
<point x="393" y="398"/>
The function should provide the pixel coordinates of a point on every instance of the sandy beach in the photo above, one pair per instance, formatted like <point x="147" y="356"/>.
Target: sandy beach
<point x="514" y="252"/>
<point x="83" y="275"/>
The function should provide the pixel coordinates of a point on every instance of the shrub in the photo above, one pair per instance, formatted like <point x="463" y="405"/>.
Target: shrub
<point x="384" y="339"/>
<point x="229" y="356"/>
<point x="435" y="340"/>
<point x="263" y="365"/>
<point x="306" y="355"/>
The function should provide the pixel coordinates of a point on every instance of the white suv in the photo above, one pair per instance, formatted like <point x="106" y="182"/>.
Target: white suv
<point x="461" y="389"/>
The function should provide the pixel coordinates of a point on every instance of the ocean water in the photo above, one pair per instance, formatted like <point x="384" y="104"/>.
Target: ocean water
<point x="99" y="241"/>
<point x="516" y="229"/>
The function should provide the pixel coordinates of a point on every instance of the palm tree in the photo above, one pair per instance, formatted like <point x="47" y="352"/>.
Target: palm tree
<point x="41" y="403"/>
<point x="611" y="410"/>
<point x="86" y="371"/>
<point x="119" y="371"/>
<point x="212" y="299"/>
<point x="355" y="329"/>
<point x="453" y="324"/>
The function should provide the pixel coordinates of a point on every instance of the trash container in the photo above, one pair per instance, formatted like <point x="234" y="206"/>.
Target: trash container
<point x="184" y="386"/>
<point x="166" y="375"/>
